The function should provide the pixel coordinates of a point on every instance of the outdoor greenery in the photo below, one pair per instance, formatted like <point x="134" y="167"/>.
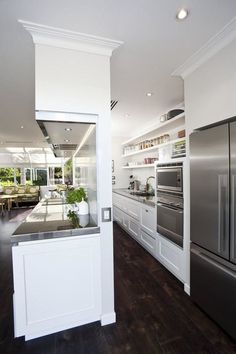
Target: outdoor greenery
<point x="7" y="176"/>
<point x="68" y="168"/>
<point x="75" y="196"/>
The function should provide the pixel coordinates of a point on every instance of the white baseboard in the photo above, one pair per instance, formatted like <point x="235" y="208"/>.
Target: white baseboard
<point x="187" y="289"/>
<point x="108" y="318"/>
<point x="57" y="328"/>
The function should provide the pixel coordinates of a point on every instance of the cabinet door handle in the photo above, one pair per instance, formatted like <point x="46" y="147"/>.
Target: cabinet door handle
<point x="146" y="210"/>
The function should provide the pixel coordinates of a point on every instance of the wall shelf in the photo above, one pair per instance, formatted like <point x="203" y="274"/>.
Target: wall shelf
<point x="139" y="166"/>
<point x="156" y="147"/>
<point x="170" y="124"/>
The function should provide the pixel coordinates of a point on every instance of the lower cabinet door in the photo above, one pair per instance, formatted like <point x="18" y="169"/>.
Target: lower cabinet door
<point x="125" y="221"/>
<point x="148" y="219"/>
<point x="117" y="215"/>
<point x="171" y="256"/>
<point x="148" y="242"/>
<point x="134" y="228"/>
<point x="57" y="285"/>
<point x="133" y="209"/>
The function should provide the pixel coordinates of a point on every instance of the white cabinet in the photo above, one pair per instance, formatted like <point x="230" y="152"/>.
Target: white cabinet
<point x="134" y="228"/>
<point x="171" y="256"/>
<point x="127" y="205"/>
<point x="117" y="215"/>
<point x="133" y="209"/>
<point x="126" y="221"/>
<point x="139" y="220"/>
<point x="117" y="200"/>
<point x="148" y="219"/>
<point x="57" y="285"/>
<point x="148" y="242"/>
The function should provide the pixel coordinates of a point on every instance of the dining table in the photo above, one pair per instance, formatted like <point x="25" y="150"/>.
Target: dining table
<point x="8" y="198"/>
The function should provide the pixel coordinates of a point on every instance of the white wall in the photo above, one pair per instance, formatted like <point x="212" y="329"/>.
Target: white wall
<point x="210" y="90"/>
<point x="121" y="175"/>
<point x="75" y="81"/>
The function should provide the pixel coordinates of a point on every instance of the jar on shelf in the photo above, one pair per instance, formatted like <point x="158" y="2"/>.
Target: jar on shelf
<point x="166" y="138"/>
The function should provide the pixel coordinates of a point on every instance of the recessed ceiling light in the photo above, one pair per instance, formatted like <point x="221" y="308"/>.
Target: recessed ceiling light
<point x="68" y="129"/>
<point x="22" y="127"/>
<point x="67" y="140"/>
<point x="149" y="94"/>
<point x="182" y="14"/>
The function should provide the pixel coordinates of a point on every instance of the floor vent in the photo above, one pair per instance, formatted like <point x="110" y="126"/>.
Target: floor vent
<point x="113" y="104"/>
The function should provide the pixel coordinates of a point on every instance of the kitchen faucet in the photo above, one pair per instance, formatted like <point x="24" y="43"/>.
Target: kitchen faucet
<point x="147" y="184"/>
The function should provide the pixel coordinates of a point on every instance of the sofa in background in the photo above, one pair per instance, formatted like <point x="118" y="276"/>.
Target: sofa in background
<point x="25" y="193"/>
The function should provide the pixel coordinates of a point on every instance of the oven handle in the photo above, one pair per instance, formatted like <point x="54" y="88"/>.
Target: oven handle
<point x="180" y="211"/>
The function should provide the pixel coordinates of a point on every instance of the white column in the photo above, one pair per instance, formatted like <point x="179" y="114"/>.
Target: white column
<point x="73" y="170"/>
<point x="31" y="175"/>
<point x="15" y="176"/>
<point x="22" y="177"/>
<point x="48" y="177"/>
<point x="63" y="170"/>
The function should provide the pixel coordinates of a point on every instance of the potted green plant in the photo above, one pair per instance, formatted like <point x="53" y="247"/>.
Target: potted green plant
<point x="76" y="196"/>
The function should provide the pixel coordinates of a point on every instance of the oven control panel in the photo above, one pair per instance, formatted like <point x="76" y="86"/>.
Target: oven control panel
<point x="170" y="200"/>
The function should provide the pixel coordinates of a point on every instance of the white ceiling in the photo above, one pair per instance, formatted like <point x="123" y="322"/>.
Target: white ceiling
<point x="154" y="45"/>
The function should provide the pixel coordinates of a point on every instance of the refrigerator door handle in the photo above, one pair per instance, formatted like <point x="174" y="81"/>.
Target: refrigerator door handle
<point x="214" y="263"/>
<point x="222" y="213"/>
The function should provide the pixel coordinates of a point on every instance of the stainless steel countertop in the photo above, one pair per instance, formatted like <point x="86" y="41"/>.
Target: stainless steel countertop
<point x="49" y="220"/>
<point x="150" y="200"/>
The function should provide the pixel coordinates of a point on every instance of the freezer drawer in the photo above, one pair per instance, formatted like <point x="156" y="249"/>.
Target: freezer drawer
<point x="213" y="288"/>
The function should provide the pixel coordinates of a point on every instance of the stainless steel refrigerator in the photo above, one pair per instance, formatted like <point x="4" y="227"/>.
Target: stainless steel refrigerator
<point x="213" y="222"/>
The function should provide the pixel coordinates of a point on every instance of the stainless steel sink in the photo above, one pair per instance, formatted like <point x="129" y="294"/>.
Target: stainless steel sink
<point x="142" y="194"/>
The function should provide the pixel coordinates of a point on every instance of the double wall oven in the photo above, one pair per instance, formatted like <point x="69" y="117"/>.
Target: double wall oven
<point x="170" y="203"/>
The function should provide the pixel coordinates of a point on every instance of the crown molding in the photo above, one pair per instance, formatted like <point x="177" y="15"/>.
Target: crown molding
<point x="62" y="38"/>
<point x="224" y="37"/>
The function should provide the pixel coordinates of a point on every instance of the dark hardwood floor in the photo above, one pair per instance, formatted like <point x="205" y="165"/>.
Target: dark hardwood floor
<point x="154" y="315"/>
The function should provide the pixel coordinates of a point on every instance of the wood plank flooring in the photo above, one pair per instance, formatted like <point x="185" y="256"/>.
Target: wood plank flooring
<point x="154" y="315"/>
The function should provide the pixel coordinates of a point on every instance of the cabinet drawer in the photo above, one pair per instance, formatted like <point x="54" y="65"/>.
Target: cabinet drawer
<point x="134" y="228"/>
<point x="117" y="200"/>
<point x="148" y="219"/>
<point x="170" y="256"/>
<point x="133" y="209"/>
<point x="148" y="242"/>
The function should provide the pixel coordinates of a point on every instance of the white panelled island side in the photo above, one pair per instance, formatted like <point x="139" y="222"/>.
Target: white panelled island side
<point x="56" y="271"/>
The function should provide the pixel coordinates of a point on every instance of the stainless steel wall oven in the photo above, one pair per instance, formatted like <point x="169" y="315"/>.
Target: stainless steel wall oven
<point x="170" y="177"/>
<point x="170" y="202"/>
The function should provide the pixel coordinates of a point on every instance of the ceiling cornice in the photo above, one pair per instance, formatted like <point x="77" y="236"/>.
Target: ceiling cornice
<point x="224" y="37"/>
<point x="62" y="38"/>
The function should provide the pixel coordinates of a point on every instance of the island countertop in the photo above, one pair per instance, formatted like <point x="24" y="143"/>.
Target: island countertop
<point x="49" y="220"/>
<point x="149" y="200"/>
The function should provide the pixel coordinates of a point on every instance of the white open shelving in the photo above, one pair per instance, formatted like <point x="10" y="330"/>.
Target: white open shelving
<point x="139" y="166"/>
<point x="158" y="129"/>
<point x="156" y="147"/>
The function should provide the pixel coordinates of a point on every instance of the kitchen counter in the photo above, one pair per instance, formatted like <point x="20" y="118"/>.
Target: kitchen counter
<point x="49" y="220"/>
<point x="149" y="200"/>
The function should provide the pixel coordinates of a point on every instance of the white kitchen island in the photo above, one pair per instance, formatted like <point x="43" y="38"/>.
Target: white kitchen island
<point x="57" y="275"/>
